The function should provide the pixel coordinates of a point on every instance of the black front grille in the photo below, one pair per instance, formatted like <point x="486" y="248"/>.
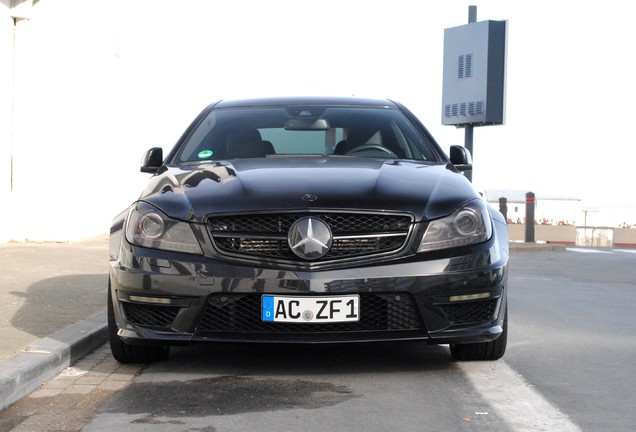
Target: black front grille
<point x="150" y="315"/>
<point x="265" y="235"/>
<point x="241" y="313"/>
<point x="470" y="312"/>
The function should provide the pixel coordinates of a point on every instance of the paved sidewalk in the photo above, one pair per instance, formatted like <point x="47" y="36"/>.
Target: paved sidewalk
<point x="52" y="310"/>
<point x="67" y="401"/>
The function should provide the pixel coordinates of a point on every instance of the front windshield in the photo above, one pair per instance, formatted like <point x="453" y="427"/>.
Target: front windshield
<point x="282" y="131"/>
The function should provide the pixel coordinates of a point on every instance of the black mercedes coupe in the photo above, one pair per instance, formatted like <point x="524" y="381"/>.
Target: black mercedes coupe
<point x="307" y="220"/>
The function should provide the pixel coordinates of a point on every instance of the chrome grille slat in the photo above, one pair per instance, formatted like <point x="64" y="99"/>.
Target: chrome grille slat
<point x="265" y="235"/>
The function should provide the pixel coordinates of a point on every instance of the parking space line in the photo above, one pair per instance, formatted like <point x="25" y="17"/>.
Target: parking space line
<point x="583" y="250"/>
<point x="515" y="401"/>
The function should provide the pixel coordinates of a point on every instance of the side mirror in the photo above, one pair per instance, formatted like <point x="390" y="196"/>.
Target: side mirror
<point x="152" y="160"/>
<point x="460" y="157"/>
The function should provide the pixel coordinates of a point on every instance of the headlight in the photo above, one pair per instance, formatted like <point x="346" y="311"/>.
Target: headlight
<point x="150" y="228"/>
<point x="467" y="225"/>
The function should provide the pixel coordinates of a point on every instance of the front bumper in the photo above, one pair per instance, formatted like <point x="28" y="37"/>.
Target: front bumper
<point x="171" y="298"/>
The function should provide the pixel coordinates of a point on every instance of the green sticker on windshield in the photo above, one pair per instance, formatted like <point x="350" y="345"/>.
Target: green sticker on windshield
<point x="204" y="154"/>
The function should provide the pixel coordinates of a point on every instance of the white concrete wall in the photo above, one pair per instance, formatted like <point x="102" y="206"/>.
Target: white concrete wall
<point x="70" y="119"/>
<point x="7" y="205"/>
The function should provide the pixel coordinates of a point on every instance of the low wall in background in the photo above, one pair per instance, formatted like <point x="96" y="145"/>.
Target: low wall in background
<point x="624" y="237"/>
<point x="569" y="235"/>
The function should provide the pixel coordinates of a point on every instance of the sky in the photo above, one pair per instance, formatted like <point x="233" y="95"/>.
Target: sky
<point x="118" y="77"/>
<point x="569" y="96"/>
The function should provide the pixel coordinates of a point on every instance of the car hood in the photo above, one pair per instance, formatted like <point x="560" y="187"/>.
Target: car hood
<point x="308" y="183"/>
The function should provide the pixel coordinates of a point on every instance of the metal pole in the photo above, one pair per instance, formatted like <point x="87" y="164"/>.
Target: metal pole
<point x="530" y="203"/>
<point x="503" y="207"/>
<point x="468" y="143"/>
<point x="468" y="129"/>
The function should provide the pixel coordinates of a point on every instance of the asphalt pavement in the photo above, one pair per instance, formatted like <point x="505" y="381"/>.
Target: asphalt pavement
<point x="53" y="309"/>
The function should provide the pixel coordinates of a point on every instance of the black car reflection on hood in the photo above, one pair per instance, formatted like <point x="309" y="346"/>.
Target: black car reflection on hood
<point x="427" y="191"/>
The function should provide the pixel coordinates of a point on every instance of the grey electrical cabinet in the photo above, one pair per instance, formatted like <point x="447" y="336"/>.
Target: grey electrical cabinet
<point x="474" y="74"/>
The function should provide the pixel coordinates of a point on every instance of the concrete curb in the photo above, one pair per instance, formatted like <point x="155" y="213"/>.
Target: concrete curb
<point x="536" y="247"/>
<point x="46" y="358"/>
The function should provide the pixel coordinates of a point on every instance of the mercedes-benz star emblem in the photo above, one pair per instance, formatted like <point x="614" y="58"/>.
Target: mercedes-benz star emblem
<point x="309" y="238"/>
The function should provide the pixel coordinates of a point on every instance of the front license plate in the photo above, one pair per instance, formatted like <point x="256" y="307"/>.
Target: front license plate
<point x="311" y="309"/>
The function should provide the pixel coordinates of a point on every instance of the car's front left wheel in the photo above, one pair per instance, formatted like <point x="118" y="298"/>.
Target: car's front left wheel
<point x="493" y="350"/>
<point x="126" y="353"/>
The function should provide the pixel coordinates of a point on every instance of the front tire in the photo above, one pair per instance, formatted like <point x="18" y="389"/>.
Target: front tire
<point x="126" y="353"/>
<point x="484" y="351"/>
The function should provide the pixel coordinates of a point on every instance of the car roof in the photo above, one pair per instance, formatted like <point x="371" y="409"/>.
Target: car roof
<point x="298" y="100"/>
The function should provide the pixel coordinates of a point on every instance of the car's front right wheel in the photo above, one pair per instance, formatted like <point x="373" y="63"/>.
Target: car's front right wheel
<point x="484" y="351"/>
<point x="126" y="353"/>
